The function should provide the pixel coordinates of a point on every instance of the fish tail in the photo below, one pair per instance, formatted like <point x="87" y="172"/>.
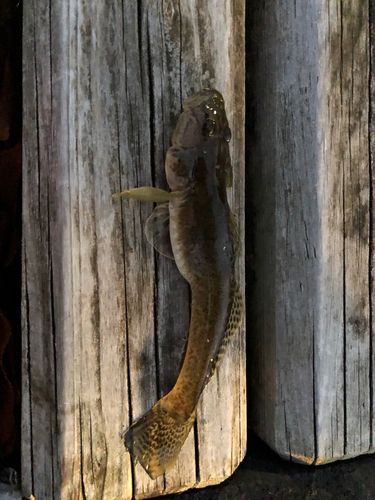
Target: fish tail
<point x="155" y="440"/>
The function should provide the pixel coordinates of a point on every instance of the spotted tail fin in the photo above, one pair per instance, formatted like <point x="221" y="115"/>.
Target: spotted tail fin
<point x="155" y="440"/>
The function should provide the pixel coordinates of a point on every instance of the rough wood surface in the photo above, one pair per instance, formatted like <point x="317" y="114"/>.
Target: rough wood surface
<point x="104" y="318"/>
<point x="309" y="181"/>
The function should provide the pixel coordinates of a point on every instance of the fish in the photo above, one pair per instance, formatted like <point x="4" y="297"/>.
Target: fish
<point x="193" y="225"/>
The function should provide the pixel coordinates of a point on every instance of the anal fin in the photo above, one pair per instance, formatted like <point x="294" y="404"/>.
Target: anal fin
<point x="234" y="234"/>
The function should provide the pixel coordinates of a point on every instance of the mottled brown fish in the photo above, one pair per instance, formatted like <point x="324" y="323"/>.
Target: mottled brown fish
<point x="197" y="228"/>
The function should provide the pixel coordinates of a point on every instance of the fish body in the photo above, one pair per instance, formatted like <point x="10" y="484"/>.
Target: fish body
<point x="202" y="237"/>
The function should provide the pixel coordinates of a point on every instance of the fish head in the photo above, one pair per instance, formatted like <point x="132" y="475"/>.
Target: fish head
<point x="200" y="140"/>
<point x="203" y="118"/>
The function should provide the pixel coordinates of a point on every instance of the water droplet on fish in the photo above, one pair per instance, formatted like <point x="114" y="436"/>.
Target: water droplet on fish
<point x="214" y="111"/>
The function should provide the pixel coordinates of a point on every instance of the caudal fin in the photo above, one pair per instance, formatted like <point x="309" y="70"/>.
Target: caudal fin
<point x="155" y="440"/>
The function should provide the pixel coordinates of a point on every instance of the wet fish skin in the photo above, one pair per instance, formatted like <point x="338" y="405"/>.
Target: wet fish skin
<point x="204" y="241"/>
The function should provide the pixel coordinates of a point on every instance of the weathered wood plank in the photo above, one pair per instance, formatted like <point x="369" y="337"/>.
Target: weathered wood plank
<point x="104" y="318"/>
<point x="355" y="143"/>
<point x="310" y="190"/>
<point x="372" y="215"/>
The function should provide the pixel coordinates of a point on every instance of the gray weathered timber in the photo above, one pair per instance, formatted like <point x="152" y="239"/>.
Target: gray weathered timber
<point x="372" y="215"/>
<point x="104" y="317"/>
<point x="309" y="200"/>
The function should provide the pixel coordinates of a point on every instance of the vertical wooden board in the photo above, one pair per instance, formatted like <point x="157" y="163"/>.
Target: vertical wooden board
<point x="329" y="338"/>
<point x="355" y="78"/>
<point x="284" y="172"/>
<point x="87" y="341"/>
<point x="372" y="215"/>
<point x="110" y="255"/>
<point x="310" y="207"/>
<point x="346" y="211"/>
<point x="296" y="230"/>
<point x="40" y="349"/>
<point x="29" y="150"/>
<point x="61" y="195"/>
<point x="100" y="310"/>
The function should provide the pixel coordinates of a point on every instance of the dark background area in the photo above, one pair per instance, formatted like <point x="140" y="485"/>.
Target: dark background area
<point x="10" y="230"/>
<point x="262" y="475"/>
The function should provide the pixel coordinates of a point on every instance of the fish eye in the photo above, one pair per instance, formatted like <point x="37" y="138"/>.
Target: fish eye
<point x="208" y="127"/>
<point x="227" y="134"/>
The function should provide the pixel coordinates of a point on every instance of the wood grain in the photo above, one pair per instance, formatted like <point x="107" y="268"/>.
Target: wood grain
<point x="372" y="215"/>
<point x="104" y="317"/>
<point x="309" y="202"/>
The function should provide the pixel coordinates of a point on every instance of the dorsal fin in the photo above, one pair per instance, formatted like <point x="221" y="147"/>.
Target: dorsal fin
<point x="234" y="234"/>
<point x="234" y="321"/>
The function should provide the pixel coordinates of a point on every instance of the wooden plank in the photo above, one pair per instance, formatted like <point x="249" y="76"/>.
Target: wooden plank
<point x="372" y="215"/>
<point x="104" y="318"/>
<point x="355" y="146"/>
<point x="312" y="345"/>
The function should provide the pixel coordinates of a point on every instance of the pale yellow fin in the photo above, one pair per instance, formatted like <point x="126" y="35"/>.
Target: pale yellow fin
<point x="151" y="194"/>
<point x="155" y="440"/>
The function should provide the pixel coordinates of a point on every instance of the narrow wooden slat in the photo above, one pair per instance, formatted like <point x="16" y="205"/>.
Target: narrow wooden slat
<point x="345" y="150"/>
<point x="310" y="200"/>
<point x="29" y="151"/>
<point x="36" y="264"/>
<point x="372" y="218"/>
<point x="284" y="211"/>
<point x="63" y="195"/>
<point x="355" y="142"/>
<point x="105" y="318"/>
<point x="329" y="342"/>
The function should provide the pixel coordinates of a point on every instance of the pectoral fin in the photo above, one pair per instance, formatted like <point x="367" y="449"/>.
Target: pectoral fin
<point x="154" y="195"/>
<point x="157" y="230"/>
